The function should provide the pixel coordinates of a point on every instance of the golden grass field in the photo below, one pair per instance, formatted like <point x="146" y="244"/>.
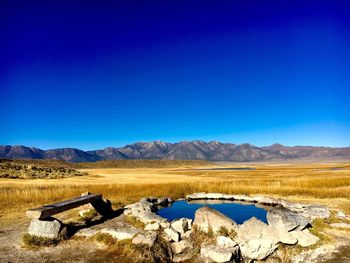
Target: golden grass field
<point x="307" y="182"/>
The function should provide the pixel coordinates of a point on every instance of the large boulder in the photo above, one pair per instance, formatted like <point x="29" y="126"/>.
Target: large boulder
<point x="285" y="219"/>
<point x="48" y="228"/>
<point x="220" y="254"/>
<point x="148" y="238"/>
<point x="207" y="218"/>
<point x="305" y="238"/>
<point x="258" y="240"/>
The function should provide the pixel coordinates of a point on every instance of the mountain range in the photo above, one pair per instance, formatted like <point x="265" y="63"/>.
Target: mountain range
<point x="192" y="150"/>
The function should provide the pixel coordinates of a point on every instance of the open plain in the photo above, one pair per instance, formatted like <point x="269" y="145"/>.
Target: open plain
<point x="320" y="183"/>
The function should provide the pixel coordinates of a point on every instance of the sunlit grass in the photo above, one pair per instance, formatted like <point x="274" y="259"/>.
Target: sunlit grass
<point x="123" y="186"/>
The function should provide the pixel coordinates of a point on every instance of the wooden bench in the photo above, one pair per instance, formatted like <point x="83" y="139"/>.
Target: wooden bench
<point x="102" y="207"/>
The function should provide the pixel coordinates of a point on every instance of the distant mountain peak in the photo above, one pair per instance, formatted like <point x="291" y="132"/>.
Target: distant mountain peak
<point x="185" y="150"/>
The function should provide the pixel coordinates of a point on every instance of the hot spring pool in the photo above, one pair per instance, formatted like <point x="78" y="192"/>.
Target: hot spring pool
<point x="237" y="211"/>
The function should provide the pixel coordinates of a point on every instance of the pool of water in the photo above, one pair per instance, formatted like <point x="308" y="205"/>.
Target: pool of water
<point x="237" y="211"/>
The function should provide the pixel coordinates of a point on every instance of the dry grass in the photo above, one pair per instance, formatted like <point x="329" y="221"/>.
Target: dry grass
<point x="302" y="182"/>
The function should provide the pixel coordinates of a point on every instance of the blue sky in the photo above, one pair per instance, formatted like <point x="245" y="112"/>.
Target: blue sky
<point x="91" y="75"/>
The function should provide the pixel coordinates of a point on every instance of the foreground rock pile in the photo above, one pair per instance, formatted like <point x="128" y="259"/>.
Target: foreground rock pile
<point x="223" y="240"/>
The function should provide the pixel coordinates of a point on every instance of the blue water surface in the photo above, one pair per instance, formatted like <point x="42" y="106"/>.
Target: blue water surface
<point x="236" y="211"/>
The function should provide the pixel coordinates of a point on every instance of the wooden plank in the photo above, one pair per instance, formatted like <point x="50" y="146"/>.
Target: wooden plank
<point x="52" y="209"/>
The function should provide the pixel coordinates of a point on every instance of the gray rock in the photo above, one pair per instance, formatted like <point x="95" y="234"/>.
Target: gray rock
<point x="296" y="207"/>
<point x="143" y="211"/>
<point x="121" y="233"/>
<point x="49" y="228"/>
<point x="207" y="218"/>
<point x="305" y="238"/>
<point x="215" y="196"/>
<point x="180" y="247"/>
<point x="265" y="200"/>
<point x="220" y="254"/>
<point x="255" y="229"/>
<point x="172" y="234"/>
<point x="341" y="215"/>
<point x="181" y="225"/>
<point x="258" y="240"/>
<point x="86" y="209"/>
<point x="244" y="198"/>
<point x="227" y="242"/>
<point x="196" y="196"/>
<point x="152" y="226"/>
<point x="283" y="218"/>
<point x="257" y="249"/>
<point x="86" y="232"/>
<point x="316" y="211"/>
<point x="163" y="201"/>
<point x="187" y="234"/>
<point x="147" y="238"/>
<point x="182" y="257"/>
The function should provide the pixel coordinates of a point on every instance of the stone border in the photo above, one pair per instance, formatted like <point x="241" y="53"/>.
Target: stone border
<point x="310" y="211"/>
<point x="255" y="240"/>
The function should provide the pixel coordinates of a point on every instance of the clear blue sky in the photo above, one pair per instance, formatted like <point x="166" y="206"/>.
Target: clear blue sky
<point x="91" y="75"/>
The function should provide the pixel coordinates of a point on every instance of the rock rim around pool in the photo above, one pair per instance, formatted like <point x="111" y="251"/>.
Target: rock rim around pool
<point x="252" y="240"/>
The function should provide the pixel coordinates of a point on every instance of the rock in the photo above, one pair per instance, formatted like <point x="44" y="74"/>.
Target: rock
<point x="181" y="225"/>
<point x="172" y="234"/>
<point x="163" y="201"/>
<point x="227" y="242"/>
<point x="257" y="249"/>
<point x="255" y="229"/>
<point x="187" y="234"/>
<point x="285" y="237"/>
<point x="316" y="211"/>
<point x="121" y="233"/>
<point x="296" y="207"/>
<point x="147" y="238"/>
<point x="144" y="212"/>
<point x="49" y="228"/>
<point x="86" y="232"/>
<point x="182" y="257"/>
<point x="147" y="201"/>
<point x="181" y="246"/>
<point x="305" y="238"/>
<point x="152" y="226"/>
<point x="164" y="224"/>
<point x="220" y="254"/>
<point x="283" y="218"/>
<point x="340" y="225"/>
<point x="86" y="210"/>
<point x="196" y="196"/>
<point x="208" y="218"/>
<point x="341" y="215"/>
<point x="244" y="198"/>
<point x="215" y="196"/>
<point x="265" y="200"/>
